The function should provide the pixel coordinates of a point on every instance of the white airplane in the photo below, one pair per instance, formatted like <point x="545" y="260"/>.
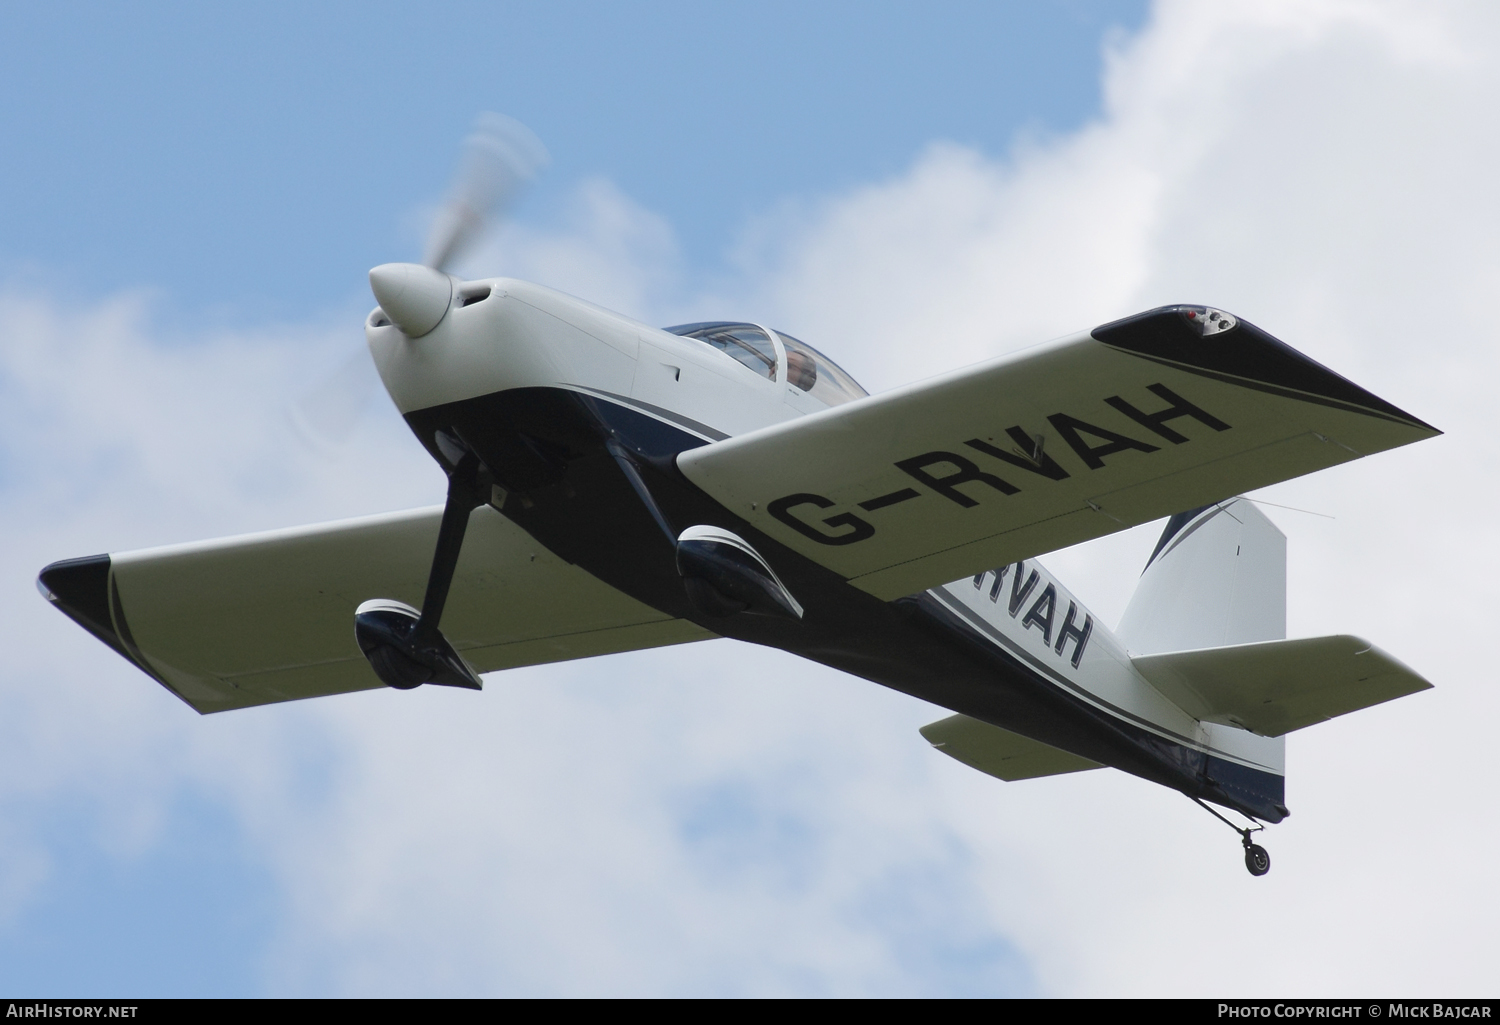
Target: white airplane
<point x="614" y="486"/>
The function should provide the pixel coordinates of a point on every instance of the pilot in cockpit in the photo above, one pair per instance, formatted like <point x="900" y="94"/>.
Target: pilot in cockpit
<point x="801" y="369"/>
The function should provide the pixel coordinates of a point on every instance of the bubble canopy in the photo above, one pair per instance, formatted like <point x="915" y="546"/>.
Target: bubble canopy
<point x="806" y="368"/>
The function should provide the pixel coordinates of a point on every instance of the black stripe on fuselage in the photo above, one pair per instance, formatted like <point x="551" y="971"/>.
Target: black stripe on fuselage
<point x="546" y="446"/>
<point x="1017" y="653"/>
<point x="1267" y="786"/>
<point x="1130" y="746"/>
<point x="661" y="413"/>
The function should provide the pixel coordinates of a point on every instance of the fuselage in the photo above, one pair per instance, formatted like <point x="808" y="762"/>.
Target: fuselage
<point x="537" y="382"/>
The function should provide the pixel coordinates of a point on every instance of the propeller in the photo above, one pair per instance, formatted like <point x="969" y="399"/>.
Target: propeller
<point x="500" y="157"/>
<point x="498" y="160"/>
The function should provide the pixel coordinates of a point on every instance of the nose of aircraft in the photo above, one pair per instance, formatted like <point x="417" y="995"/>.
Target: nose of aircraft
<point x="416" y="298"/>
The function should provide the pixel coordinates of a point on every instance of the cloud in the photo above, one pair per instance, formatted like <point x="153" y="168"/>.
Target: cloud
<point x="656" y="823"/>
<point x="721" y="819"/>
<point x="705" y="821"/>
<point x="1324" y="171"/>
<point x="608" y="249"/>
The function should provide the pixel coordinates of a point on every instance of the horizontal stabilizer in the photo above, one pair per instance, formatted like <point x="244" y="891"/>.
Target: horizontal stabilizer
<point x="1000" y="753"/>
<point x="1274" y="687"/>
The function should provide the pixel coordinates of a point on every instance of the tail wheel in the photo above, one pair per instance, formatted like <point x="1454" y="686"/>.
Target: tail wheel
<point x="1256" y="858"/>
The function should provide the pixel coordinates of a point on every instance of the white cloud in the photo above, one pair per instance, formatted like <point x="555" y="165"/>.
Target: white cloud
<point x="664" y="822"/>
<point x="609" y="250"/>
<point x="1325" y="171"/>
<point x="708" y="820"/>
<point x="722" y="819"/>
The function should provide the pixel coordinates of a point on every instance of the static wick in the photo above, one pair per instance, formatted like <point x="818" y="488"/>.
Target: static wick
<point x="1293" y="508"/>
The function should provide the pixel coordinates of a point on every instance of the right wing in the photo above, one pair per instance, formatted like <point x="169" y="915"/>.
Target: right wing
<point x="269" y="617"/>
<point x="1044" y="448"/>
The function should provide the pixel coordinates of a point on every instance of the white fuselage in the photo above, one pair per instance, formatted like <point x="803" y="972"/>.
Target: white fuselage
<point x="501" y="334"/>
<point x="523" y="335"/>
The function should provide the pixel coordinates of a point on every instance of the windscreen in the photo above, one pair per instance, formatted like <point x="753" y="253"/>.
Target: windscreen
<point x="807" y="368"/>
<point x="816" y="374"/>
<point x="744" y="342"/>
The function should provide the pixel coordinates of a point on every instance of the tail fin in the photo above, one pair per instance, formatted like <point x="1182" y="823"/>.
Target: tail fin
<point x="1217" y="577"/>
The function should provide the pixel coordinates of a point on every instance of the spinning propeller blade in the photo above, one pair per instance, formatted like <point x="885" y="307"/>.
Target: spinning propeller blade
<point x="325" y="414"/>
<point x="499" y="159"/>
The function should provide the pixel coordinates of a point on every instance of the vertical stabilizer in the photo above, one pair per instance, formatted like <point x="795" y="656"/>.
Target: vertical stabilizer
<point x="1217" y="577"/>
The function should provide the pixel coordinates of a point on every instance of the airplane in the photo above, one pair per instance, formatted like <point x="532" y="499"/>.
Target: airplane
<point x="614" y="486"/>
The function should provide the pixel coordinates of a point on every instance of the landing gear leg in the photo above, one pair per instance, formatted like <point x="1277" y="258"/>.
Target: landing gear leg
<point x="722" y="573"/>
<point x="633" y="474"/>
<point x="404" y="646"/>
<point x="1257" y="861"/>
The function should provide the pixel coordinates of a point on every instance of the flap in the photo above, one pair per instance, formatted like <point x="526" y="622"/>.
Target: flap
<point x="1000" y="753"/>
<point x="1274" y="687"/>
<point x="1042" y="449"/>
<point x="269" y="617"/>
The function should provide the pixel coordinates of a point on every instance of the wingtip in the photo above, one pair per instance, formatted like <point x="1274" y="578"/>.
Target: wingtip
<point x="1244" y="351"/>
<point x="80" y="588"/>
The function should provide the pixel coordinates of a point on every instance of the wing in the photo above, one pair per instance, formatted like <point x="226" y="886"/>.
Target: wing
<point x="269" y="617"/>
<point x="1000" y="753"/>
<point x="1045" y="448"/>
<point x="1274" y="687"/>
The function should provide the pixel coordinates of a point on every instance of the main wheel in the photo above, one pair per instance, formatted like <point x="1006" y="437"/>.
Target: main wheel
<point x="1257" y="860"/>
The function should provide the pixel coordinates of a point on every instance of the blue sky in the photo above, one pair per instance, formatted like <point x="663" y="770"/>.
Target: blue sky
<point x="247" y="165"/>
<point x="252" y="161"/>
<point x="191" y="198"/>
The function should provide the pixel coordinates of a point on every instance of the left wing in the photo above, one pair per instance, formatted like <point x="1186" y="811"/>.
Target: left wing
<point x="1054" y="445"/>
<point x="268" y="617"/>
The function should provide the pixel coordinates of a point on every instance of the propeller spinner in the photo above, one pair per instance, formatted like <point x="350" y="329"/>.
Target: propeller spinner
<point x="500" y="157"/>
<point x="415" y="297"/>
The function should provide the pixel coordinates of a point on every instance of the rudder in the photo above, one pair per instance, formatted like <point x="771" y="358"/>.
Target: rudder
<point x="1216" y="577"/>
